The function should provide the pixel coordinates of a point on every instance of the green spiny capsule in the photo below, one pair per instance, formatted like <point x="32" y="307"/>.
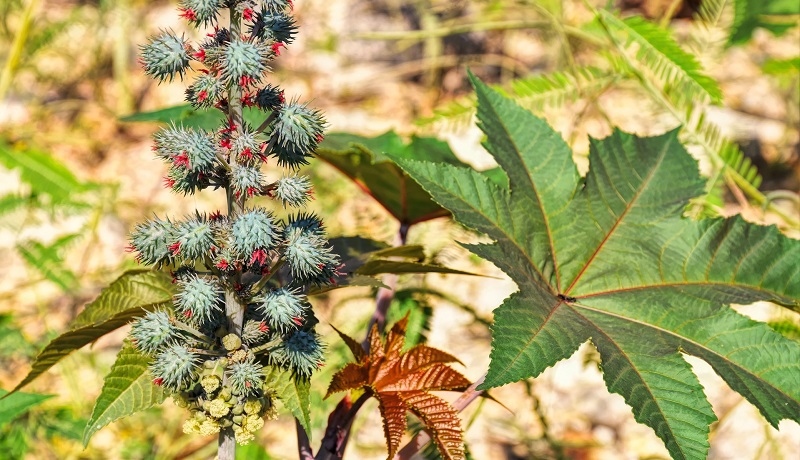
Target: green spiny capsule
<point x="154" y="331"/>
<point x="165" y="56"/>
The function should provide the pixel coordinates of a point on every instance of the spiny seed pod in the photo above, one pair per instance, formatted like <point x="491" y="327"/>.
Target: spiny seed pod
<point x="154" y="331"/>
<point x="151" y="239"/>
<point x="182" y="180"/>
<point x="303" y="352"/>
<point x="306" y="222"/>
<point x="276" y="27"/>
<point x="283" y="308"/>
<point x="198" y="298"/>
<point x="269" y="98"/>
<point x="244" y="59"/>
<point x="174" y="367"/>
<point x="245" y="146"/>
<point x="276" y="6"/>
<point x="293" y="190"/>
<point x="253" y="230"/>
<point x="165" y="56"/>
<point x="186" y="148"/>
<point x="246" y="181"/>
<point x="297" y="131"/>
<point x="254" y="332"/>
<point x="246" y="377"/>
<point x="195" y="239"/>
<point x="200" y="12"/>
<point x="307" y="254"/>
<point x="206" y="91"/>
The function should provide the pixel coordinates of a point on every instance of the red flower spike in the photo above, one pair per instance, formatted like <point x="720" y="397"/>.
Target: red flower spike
<point x="202" y="96"/>
<point x="248" y="384"/>
<point x="319" y="138"/>
<point x="260" y="256"/>
<point x="169" y="183"/>
<point x="159" y="381"/>
<point x="187" y="313"/>
<point x="130" y="248"/>
<point x="251" y="191"/>
<point x="246" y="81"/>
<point x="226" y="143"/>
<point x="281" y="97"/>
<point x="247" y="153"/>
<point x="188" y="14"/>
<point x="298" y="321"/>
<point x="247" y="14"/>
<point x="216" y="215"/>
<point x="222" y="264"/>
<point x="182" y="160"/>
<point x="200" y="55"/>
<point x="262" y="326"/>
<point x="276" y="48"/>
<point x="175" y="248"/>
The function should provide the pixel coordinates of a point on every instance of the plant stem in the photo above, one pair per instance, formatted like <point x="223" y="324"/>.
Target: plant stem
<point x="234" y="310"/>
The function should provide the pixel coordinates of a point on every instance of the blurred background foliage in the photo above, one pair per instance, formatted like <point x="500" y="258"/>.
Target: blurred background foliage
<point x="77" y="175"/>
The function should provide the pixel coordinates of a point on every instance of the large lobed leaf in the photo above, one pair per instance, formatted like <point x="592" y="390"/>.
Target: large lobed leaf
<point x="130" y="296"/>
<point x="127" y="389"/>
<point x="609" y="258"/>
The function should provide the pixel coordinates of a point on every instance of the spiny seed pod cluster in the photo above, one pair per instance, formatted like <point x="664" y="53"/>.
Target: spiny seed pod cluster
<point x="252" y="258"/>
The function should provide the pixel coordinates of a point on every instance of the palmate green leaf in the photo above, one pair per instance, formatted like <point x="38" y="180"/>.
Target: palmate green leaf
<point x="293" y="391"/>
<point x="610" y="258"/>
<point x="129" y="297"/>
<point x="127" y="389"/>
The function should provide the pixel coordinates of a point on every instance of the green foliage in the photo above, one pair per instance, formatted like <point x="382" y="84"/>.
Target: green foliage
<point x="293" y="391"/>
<point x="670" y="64"/>
<point x="51" y="182"/>
<point x="609" y="258"/>
<point x="130" y="296"/>
<point x="774" y="16"/>
<point x="127" y="389"/>
<point x="49" y="260"/>
<point x="17" y="404"/>
<point x="362" y="160"/>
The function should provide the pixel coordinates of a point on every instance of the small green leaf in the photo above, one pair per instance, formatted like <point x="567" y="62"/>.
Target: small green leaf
<point x="129" y="297"/>
<point x="16" y="404"/>
<point x="293" y="392"/>
<point x="127" y="389"/>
